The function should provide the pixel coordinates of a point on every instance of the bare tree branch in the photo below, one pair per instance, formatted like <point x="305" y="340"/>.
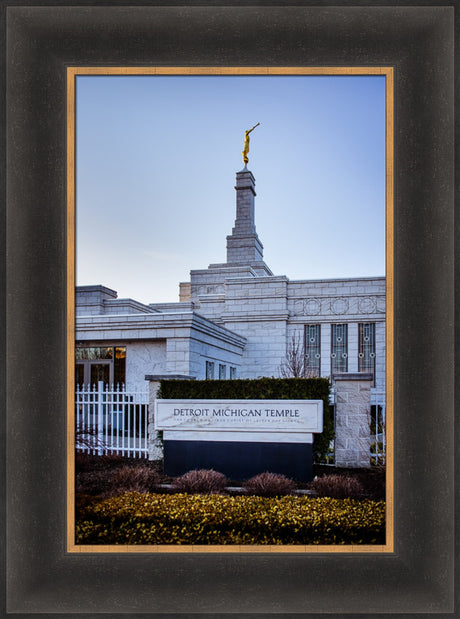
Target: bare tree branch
<point x="295" y="363"/>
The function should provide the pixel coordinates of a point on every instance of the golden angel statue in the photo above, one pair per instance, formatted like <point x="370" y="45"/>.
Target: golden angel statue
<point x="246" y="144"/>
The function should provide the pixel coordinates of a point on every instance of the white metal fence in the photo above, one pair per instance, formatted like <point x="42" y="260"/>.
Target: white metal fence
<point x="111" y="419"/>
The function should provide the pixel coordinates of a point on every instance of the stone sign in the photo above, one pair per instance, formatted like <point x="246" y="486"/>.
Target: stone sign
<point x="239" y="438"/>
<point x="280" y="416"/>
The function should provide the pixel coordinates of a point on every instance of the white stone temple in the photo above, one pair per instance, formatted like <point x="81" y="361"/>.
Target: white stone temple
<point x="234" y="320"/>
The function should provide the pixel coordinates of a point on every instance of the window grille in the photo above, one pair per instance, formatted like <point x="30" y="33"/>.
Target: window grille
<point x="232" y="372"/>
<point x="366" y="350"/>
<point x="222" y="371"/>
<point x="339" y="348"/>
<point x="312" y="349"/>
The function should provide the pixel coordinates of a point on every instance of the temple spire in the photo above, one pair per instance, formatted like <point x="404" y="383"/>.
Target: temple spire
<point x="244" y="246"/>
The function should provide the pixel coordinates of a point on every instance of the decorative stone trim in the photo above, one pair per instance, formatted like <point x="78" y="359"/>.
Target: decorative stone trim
<point x="338" y="305"/>
<point x="363" y="376"/>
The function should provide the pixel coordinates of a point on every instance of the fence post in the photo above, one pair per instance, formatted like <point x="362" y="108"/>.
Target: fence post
<point x="155" y="448"/>
<point x="100" y="417"/>
<point x="352" y="419"/>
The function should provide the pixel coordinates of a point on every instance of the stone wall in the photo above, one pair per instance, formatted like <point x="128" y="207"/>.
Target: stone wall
<point x="265" y="348"/>
<point x="268" y="310"/>
<point x="89" y="300"/>
<point x="154" y="444"/>
<point x="352" y="419"/>
<point x="144" y="357"/>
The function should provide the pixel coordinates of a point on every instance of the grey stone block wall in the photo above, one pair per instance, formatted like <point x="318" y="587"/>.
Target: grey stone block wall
<point x="142" y="357"/>
<point x="352" y="420"/>
<point x="154" y="445"/>
<point x="265" y="349"/>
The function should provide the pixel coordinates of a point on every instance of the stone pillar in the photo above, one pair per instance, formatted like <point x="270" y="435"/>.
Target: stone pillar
<point x="154" y="444"/>
<point x="244" y="245"/>
<point x="352" y="419"/>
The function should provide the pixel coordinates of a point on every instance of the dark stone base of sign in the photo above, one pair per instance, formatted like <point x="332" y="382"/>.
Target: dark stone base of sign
<point x="239" y="461"/>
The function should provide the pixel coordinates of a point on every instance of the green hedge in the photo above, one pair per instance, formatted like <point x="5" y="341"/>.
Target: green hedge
<point x="135" y="518"/>
<point x="259" y="389"/>
<point x="247" y="389"/>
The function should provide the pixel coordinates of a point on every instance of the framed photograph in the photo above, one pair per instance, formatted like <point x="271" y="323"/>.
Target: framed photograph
<point x="48" y="48"/>
<point x="345" y="116"/>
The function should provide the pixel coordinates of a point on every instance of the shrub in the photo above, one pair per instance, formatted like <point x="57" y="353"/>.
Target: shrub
<point x="82" y="501"/>
<point x="83" y="462"/>
<point x="138" y="478"/>
<point x="269" y="484"/>
<point x="107" y="482"/>
<point x="93" y="482"/>
<point x="201" y="481"/>
<point x="135" y="518"/>
<point x="374" y="482"/>
<point x="247" y="388"/>
<point x="89" y="462"/>
<point x="337" y="486"/>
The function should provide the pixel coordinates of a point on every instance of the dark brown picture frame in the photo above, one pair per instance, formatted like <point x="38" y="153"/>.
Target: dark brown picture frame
<point x="41" y="42"/>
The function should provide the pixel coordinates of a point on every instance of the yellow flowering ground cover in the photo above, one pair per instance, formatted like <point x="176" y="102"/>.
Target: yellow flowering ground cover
<point x="135" y="518"/>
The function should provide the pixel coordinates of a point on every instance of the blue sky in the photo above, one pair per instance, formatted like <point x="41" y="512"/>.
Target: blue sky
<point x="156" y="164"/>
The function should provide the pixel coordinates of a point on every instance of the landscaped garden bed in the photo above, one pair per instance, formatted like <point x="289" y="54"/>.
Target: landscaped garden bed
<point x="121" y="501"/>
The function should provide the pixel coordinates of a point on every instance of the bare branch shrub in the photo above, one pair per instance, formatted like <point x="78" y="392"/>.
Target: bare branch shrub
<point x="138" y="478"/>
<point x="269" y="485"/>
<point x="201" y="481"/>
<point x="338" y="487"/>
<point x="109" y="482"/>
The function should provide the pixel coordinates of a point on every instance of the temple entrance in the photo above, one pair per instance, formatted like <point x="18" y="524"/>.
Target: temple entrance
<point x="91" y="372"/>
